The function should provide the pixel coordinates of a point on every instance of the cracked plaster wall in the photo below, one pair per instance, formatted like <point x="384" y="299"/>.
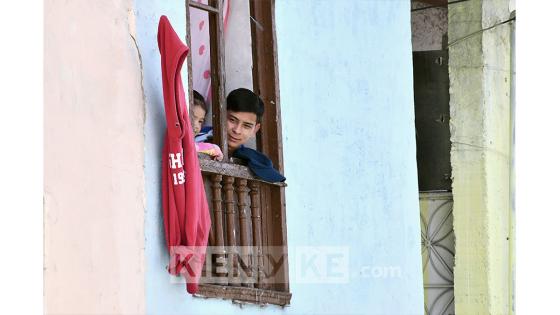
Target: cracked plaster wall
<point x="93" y="160"/>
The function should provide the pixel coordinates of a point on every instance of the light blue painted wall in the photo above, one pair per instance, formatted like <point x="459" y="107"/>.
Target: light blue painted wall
<point x="162" y="297"/>
<point x="349" y="149"/>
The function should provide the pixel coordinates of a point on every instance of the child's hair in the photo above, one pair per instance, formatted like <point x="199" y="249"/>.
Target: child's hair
<point x="244" y="100"/>
<point x="199" y="101"/>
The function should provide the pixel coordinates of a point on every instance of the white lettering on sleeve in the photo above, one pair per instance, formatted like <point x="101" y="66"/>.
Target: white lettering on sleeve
<point x="175" y="160"/>
<point x="179" y="178"/>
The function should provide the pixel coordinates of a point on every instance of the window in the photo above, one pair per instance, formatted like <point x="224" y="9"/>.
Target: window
<point x="247" y="256"/>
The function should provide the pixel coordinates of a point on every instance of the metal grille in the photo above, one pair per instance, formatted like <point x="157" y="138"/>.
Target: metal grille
<point x="438" y="252"/>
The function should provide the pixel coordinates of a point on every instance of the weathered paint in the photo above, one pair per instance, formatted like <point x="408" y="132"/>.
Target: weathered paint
<point x="479" y="70"/>
<point x="93" y="184"/>
<point x="429" y="27"/>
<point x="349" y="150"/>
<point x="512" y="180"/>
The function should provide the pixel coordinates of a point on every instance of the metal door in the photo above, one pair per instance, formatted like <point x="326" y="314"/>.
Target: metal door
<point x="438" y="251"/>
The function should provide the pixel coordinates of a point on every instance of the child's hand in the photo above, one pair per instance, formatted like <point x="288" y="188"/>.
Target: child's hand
<point x="210" y="149"/>
<point x="219" y="157"/>
<point x="217" y="153"/>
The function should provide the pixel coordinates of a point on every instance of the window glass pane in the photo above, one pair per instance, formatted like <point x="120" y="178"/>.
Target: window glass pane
<point x="239" y="53"/>
<point x="237" y="56"/>
<point x="200" y="42"/>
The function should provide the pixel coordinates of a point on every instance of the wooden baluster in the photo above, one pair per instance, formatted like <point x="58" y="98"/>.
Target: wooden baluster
<point x="257" y="238"/>
<point x="231" y="239"/>
<point x="218" y="231"/>
<point x="245" y="250"/>
<point x="211" y="240"/>
<point x="211" y="207"/>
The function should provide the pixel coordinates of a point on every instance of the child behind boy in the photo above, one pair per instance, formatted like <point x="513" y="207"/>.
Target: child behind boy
<point x="197" y="115"/>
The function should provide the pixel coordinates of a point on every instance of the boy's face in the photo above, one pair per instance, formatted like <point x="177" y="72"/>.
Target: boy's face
<point x="241" y="126"/>
<point x="197" y="118"/>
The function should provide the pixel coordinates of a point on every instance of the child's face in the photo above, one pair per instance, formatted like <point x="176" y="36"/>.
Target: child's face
<point x="197" y="118"/>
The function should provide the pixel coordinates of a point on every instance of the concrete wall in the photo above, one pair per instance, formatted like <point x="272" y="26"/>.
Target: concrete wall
<point x="93" y="160"/>
<point x="479" y="70"/>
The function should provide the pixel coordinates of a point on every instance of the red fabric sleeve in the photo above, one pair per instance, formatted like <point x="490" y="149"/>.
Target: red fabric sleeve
<point x="185" y="208"/>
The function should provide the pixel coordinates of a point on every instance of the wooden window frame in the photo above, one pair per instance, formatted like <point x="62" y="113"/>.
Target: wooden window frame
<point x="271" y="197"/>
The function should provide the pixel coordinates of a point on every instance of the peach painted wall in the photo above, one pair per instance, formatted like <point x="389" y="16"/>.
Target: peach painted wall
<point x="93" y="160"/>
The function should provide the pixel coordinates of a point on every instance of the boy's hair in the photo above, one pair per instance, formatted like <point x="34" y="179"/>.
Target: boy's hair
<point x="199" y="101"/>
<point x="244" y="100"/>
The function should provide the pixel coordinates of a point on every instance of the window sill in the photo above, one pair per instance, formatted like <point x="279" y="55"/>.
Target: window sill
<point x="208" y="165"/>
<point x="250" y="295"/>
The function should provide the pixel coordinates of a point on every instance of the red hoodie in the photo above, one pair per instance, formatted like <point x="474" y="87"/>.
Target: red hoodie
<point x="185" y="209"/>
